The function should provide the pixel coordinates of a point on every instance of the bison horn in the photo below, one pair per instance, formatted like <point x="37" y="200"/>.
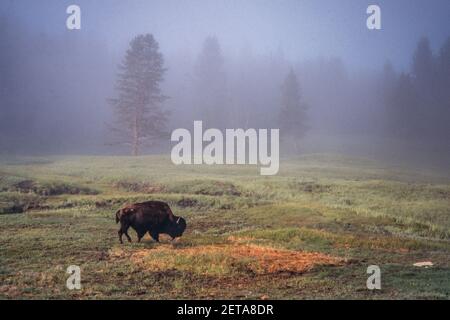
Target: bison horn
<point x="178" y="220"/>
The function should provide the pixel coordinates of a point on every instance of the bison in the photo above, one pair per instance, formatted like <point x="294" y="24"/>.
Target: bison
<point x="154" y="217"/>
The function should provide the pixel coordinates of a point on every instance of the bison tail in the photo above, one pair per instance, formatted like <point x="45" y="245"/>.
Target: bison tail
<point x="117" y="216"/>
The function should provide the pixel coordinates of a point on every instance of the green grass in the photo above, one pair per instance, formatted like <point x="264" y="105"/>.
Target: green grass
<point x="59" y="211"/>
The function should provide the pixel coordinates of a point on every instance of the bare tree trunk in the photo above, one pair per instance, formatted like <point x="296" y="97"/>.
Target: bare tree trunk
<point x="135" y="150"/>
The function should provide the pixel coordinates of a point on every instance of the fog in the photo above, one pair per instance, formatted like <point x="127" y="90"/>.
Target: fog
<point x="377" y="93"/>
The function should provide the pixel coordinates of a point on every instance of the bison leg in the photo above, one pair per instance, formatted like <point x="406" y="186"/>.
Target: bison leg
<point x="120" y="235"/>
<point x="140" y="236"/>
<point x="127" y="235"/>
<point x="124" y="231"/>
<point x="155" y="236"/>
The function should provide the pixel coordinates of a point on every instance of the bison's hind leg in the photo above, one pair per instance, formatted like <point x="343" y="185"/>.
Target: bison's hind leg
<point x="140" y="235"/>
<point x="124" y="231"/>
<point x="120" y="235"/>
<point x="155" y="236"/>
<point x="127" y="235"/>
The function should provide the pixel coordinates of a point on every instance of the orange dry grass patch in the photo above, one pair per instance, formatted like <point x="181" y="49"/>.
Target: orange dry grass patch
<point x="270" y="260"/>
<point x="231" y="258"/>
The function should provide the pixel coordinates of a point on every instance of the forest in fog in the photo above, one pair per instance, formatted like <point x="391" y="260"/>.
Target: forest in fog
<point x="54" y="91"/>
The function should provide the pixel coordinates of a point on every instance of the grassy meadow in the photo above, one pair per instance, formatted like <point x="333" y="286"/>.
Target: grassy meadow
<point x="309" y="232"/>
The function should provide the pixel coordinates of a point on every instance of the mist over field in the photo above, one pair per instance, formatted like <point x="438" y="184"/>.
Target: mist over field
<point x="355" y="205"/>
<point x="232" y="56"/>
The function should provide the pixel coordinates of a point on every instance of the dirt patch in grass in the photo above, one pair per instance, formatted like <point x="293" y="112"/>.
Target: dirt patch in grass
<point x="50" y="188"/>
<point x="226" y="259"/>
<point x="187" y="202"/>
<point x="140" y="187"/>
<point x="206" y="187"/>
<point x="14" y="202"/>
<point x="10" y="291"/>
<point x="309" y="187"/>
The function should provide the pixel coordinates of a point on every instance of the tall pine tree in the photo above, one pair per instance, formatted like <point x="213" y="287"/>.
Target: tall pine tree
<point x="140" y="118"/>
<point x="211" y="87"/>
<point x="423" y="64"/>
<point x="293" y="112"/>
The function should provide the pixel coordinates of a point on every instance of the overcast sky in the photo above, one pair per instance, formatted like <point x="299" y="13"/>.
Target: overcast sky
<point x="301" y="29"/>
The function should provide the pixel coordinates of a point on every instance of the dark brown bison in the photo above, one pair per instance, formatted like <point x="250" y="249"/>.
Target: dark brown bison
<point x="154" y="217"/>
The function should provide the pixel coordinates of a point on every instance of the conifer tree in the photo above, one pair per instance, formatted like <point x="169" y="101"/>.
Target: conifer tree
<point x="293" y="111"/>
<point x="140" y="118"/>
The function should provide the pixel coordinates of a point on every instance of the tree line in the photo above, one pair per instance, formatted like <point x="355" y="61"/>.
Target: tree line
<point x="417" y="102"/>
<point x="57" y="92"/>
<point x="140" y="116"/>
<point x="412" y="105"/>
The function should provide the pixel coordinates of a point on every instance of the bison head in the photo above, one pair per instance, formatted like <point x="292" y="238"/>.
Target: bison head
<point x="177" y="227"/>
